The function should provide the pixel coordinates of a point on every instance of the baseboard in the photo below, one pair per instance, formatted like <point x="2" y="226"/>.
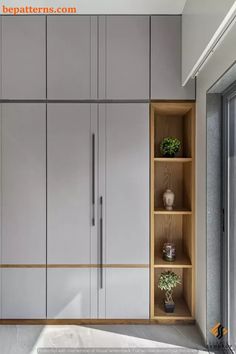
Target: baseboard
<point x="90" y="322"/>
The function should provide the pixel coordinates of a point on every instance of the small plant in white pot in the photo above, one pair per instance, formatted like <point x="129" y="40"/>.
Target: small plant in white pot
<point x="167" y="282"/>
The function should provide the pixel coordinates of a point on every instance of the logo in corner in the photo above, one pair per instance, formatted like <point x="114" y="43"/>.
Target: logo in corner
<point x="219" y="331"/>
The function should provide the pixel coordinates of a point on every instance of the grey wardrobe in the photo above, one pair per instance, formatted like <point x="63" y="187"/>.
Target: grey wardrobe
<point x="75" y="94"/>
<point x="98" y="210"/>
<point x="23" y="210"/>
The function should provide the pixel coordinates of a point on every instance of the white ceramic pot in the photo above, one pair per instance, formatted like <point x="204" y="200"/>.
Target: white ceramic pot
<point x="168" y="199"/>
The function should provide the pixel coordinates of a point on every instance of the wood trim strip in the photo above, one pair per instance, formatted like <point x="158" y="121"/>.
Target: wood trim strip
<point x="74" y="266"/>
<point x="92" y="321"/>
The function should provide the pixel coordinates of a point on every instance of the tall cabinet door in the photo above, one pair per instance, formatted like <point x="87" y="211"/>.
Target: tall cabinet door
<point x="70" y="219"/>
<point x="124" y="186"/>
<point x="124" y="57"/>
<point x="166" y="60"/>
<point x="23" y="57"/>
<point x="23" y="210"/>
<point x="72" y="57"/>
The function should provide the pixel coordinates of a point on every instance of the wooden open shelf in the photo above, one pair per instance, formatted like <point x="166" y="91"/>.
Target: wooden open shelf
<point x="162" y="211"/>
<point x="175" y="119"/>
<point x="173" y="159"/>
<point x="182" y="295"/>
<point x="182" y="311"/>
<point x="182" y="261"/>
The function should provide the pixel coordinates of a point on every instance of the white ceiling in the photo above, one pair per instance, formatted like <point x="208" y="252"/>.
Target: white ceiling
<point x="130" y="6"/>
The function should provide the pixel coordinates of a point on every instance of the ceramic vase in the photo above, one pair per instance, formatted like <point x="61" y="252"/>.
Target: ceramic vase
<point x="168" y="199"/>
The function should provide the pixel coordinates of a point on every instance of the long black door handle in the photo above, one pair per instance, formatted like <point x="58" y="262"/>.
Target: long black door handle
<point x="93" y="179"/>
<point x="101" y="243"/>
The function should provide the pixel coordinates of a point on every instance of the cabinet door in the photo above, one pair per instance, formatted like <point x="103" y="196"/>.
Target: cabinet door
<point x="124" y="57"/>
<point x="69" y="183"/>
<point x="23" y="183"/>
<point x="68" y="293"/>
<point x="24" y="293"/>
<point x="23" y="57"/>
<point x="127" y="293"/>
<point x="166" y="60"/>
<point x="72" y="57"/>
<point x="124" y="182"/>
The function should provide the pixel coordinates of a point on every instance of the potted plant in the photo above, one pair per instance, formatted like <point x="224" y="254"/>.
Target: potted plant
<point x="170" y="146"/>
<point x="168" y="281"/>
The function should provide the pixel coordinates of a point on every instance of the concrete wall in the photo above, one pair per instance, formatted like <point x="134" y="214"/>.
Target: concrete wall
<point x="201" y="19"/>
<point x="220" y="61"/>
<point x="214" y="213"/>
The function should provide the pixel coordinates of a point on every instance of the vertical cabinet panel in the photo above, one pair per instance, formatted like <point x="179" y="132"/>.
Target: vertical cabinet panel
<point x="127" y="293"/>
<point x="166" y="60"/>
<point x="69" y="183"/>
<point x="23" y="293"/>
<point x="127" y="184"/>
<point x="23" y="57"/>
<point x="23" y="183"/>
<point x="68" y="293"/>
<point x="124" y="57"/>
<point x="71" y="57"/>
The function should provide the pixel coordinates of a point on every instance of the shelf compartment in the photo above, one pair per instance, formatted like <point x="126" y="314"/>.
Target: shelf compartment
<point x="173" y="159"/>
<point x="175" y="122"/>
<point x="182" y="296"/>
<point x="181" y="310"/>
<point x="176" y="229"/>
<point x="177" y="177"/>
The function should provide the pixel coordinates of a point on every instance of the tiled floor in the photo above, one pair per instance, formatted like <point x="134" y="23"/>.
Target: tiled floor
<point x="167" y="339"/>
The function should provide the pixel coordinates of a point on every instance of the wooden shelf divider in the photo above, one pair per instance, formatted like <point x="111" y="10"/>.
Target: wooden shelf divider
<point x="175" y="119"/>
<point x="173" y="159"/>
<point x="172" y="212"/>
<point x="182" y="261"/>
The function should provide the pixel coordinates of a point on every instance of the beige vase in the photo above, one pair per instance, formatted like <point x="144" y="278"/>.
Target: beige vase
<point x="168" y="199"/>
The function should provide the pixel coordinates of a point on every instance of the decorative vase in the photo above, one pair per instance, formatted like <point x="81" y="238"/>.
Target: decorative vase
<point x="168" y="199"/>
<point x="169" y="252"/>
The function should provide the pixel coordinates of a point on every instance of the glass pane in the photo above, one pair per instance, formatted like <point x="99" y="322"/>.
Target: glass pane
<point x="232" y="220"/>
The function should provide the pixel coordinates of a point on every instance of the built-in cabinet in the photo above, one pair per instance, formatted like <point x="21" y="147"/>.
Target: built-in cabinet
<point x="23" y="57"/>
<point x="92" y="57"/>
<point x="68" y="183"/>
<point x="124" y="181"/>
<point x="124" y="57"/>
<point x="72" y="57"/>
<point x="166" y="81"/>
<point x="75" y="170"/>
<point x="89" y="152"/>
<point x="23" y="210"/>
<point x="23" y="177"/>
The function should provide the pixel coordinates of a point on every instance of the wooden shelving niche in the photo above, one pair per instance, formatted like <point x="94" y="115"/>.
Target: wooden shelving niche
<point x="173" y="119"/>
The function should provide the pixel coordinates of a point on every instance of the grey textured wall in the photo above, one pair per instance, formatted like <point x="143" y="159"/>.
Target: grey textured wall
<point x="214" y="210"/>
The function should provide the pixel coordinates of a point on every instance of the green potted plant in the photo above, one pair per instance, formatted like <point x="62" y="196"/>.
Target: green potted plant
<point x="168" y="281"/>
<point x="170" y="146"/>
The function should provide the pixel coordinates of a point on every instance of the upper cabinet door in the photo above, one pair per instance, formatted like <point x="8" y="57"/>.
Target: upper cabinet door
<point x="72" y="57"/>
<point x="69" y="145"/>
<point x="23" y="183"/>
<point x="125" y="171"/>
<point x="166" y="60"/>
<point x="124" y="57"/>
<point x="23" y="57"/>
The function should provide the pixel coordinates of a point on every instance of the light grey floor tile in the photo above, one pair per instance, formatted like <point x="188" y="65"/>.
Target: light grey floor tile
<point x="27" y="339"/>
